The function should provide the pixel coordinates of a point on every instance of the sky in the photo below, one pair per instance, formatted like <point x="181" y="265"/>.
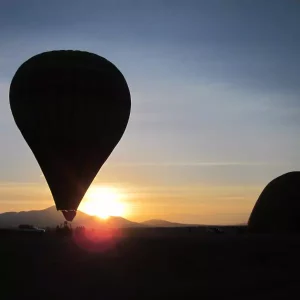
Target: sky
<point x="215" y="89"/>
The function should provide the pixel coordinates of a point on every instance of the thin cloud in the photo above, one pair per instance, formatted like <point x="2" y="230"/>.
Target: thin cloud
<point x="191" y="164"/>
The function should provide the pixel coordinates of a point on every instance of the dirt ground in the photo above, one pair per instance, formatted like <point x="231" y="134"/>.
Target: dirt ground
<point x="149" y="264"/>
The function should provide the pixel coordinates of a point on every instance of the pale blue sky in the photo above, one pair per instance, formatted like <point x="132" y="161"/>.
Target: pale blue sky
<point x="215" y="93"/>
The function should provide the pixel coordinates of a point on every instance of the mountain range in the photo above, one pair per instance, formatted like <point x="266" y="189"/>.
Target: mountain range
<point x="50" y="217"/>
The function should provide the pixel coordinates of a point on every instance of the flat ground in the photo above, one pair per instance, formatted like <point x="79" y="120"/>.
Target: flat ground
<point x="150" y="264"/>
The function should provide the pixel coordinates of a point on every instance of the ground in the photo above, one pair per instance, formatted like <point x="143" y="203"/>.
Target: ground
<point x="150" y="264"/>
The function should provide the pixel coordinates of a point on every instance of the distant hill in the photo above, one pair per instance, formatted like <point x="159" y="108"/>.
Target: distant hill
<point x="51" y="217"/>
<point x="162" y="223"/>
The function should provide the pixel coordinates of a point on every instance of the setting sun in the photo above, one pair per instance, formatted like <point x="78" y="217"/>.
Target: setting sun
<point x="103" y="202"/>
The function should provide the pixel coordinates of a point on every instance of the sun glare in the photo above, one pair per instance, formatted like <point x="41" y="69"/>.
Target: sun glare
<point x="103" y="202"/>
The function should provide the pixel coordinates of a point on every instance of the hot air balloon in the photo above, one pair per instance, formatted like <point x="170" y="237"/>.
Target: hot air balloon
<point x="72" y="108"/>
<point x="277" y="209"/>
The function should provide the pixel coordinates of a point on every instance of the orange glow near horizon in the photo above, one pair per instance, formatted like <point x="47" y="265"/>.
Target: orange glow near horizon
<point x="190" y="204"/>
<point x="104" y="202"/>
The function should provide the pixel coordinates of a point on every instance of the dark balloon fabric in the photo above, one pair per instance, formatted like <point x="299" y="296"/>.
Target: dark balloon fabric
<point x="277" y="209"/>
<point x="72" y="109"/>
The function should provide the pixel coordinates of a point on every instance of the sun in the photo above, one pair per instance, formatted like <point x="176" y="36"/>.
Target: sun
<point x="103" y="202"/>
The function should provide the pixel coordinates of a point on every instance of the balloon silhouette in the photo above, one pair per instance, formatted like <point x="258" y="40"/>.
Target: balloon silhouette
<point x="72" y="109"/>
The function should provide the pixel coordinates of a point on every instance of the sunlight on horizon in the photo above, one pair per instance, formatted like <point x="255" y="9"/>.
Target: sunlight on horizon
<point x="103" y="202"/>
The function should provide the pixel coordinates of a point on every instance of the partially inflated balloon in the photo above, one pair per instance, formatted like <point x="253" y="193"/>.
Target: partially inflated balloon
<point x="72" y="109"/>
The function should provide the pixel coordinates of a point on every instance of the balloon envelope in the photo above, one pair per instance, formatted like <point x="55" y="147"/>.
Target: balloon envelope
<point x="72" y="109"/>
<point x="277" y="209"/>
